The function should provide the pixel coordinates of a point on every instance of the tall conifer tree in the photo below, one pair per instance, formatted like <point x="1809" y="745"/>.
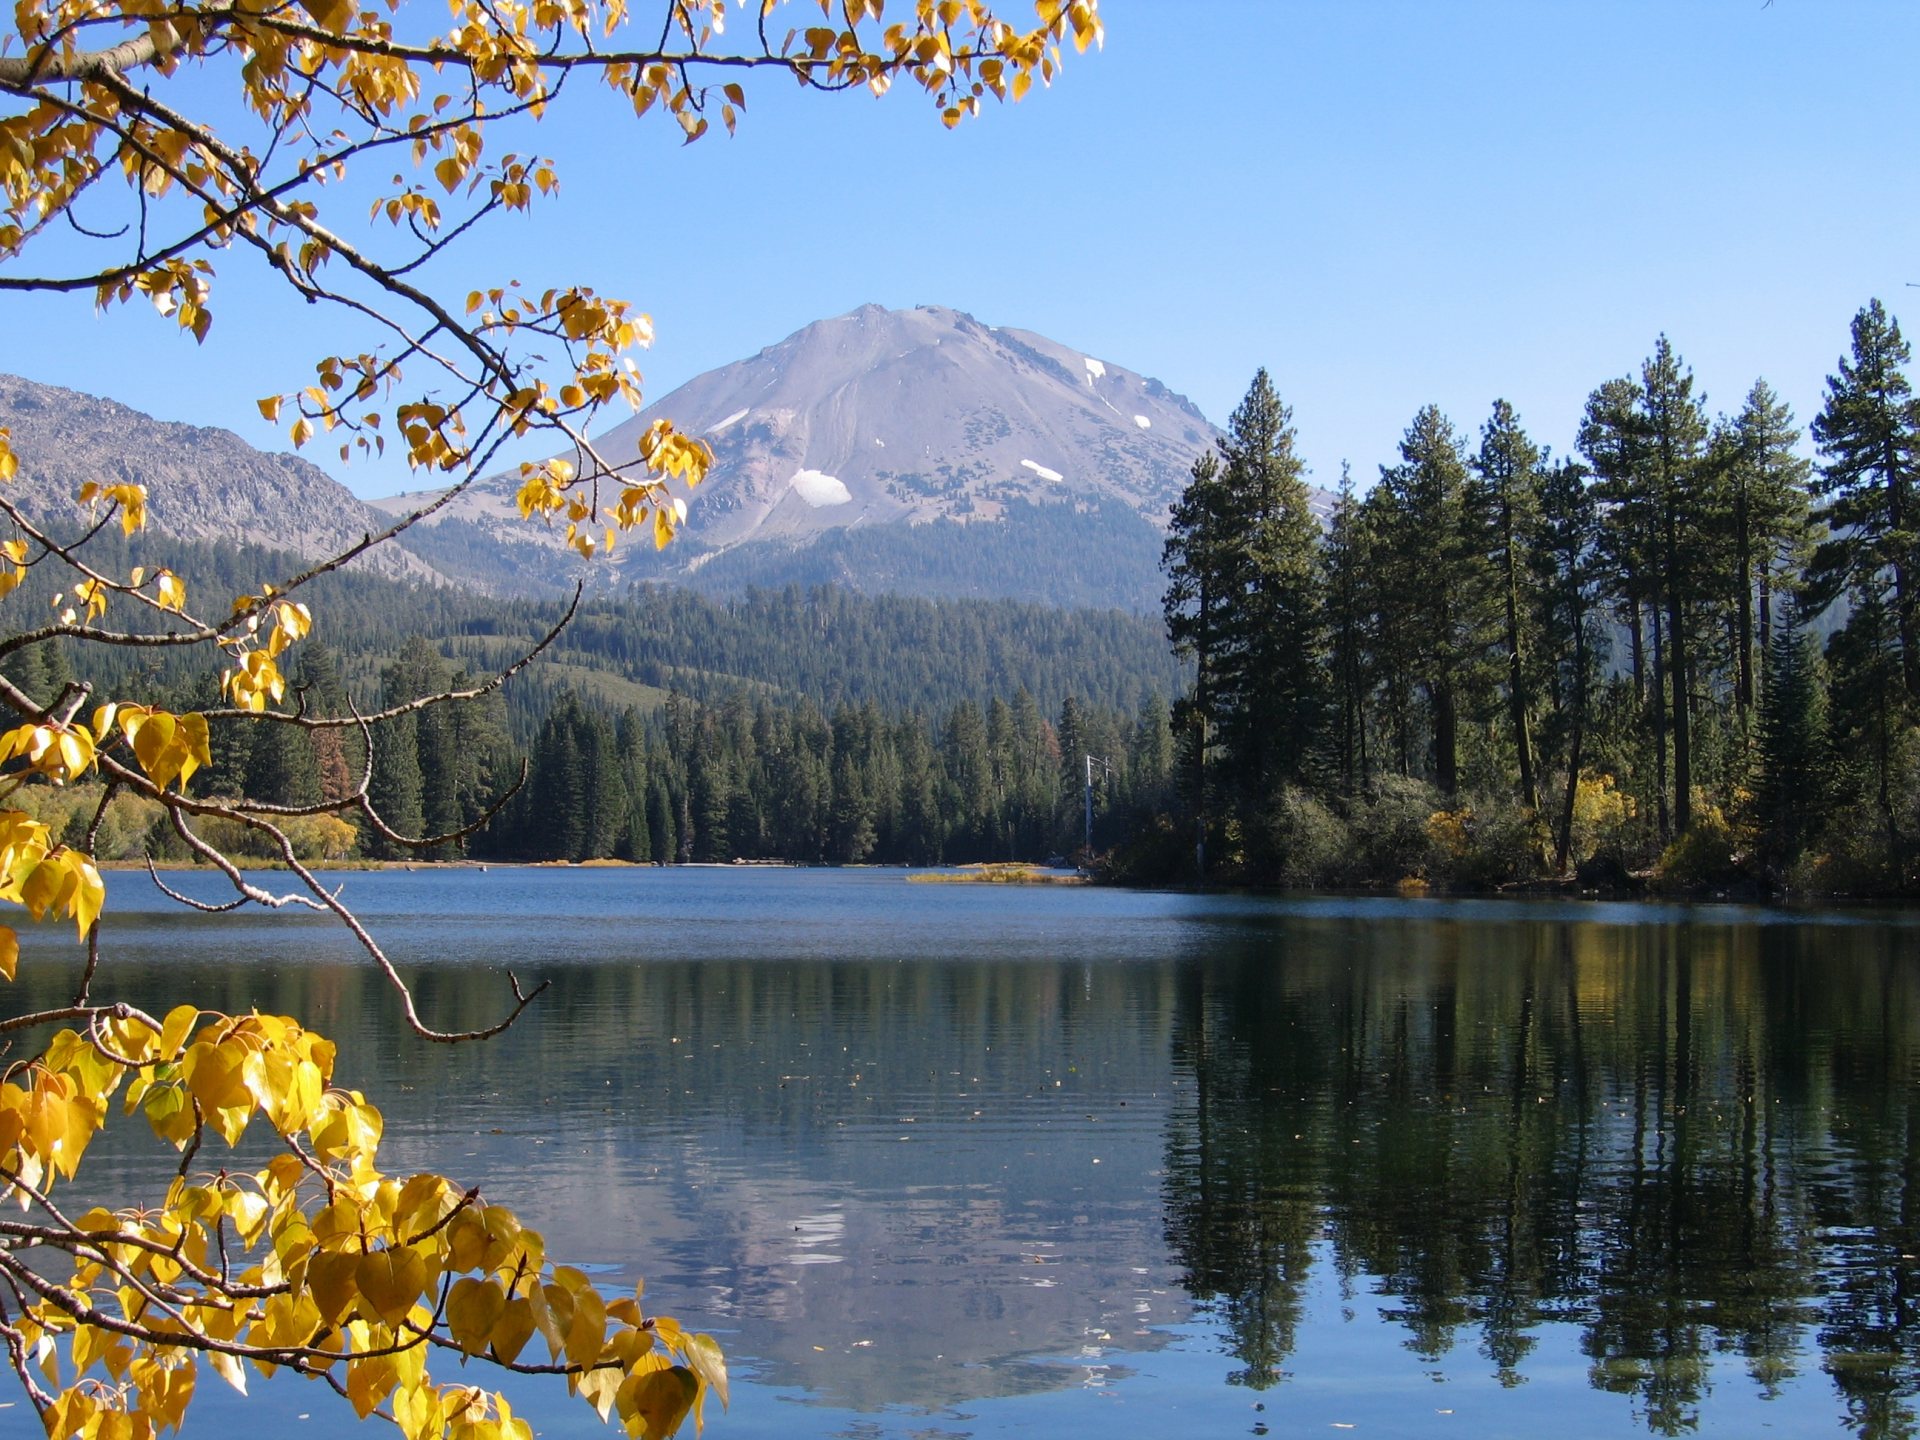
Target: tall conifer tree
<point x="1505" y="469"/>
<point x="1438" y="585"/>
<point x="1869" y="437"/>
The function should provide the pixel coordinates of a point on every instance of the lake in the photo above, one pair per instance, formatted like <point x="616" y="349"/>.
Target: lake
<point x="936" y="1161"/>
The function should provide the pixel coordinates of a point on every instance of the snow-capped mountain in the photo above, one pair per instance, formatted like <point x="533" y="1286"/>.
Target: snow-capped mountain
<point x="911" y="450"/>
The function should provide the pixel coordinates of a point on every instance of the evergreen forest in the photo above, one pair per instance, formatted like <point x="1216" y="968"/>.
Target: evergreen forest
<point x="1686" y="654"/>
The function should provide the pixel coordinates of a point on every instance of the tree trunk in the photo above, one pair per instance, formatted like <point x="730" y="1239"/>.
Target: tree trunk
<point x="1637" y="647"/>
<point x="1766" y="612"/>
<point x="1677" y="678"/>
<point x="1743" y="567"/>
<point x="1574" y="746"/>
<point x="1902" y="594"/>
<point x="1446" y="740"/>
<point x="1516" y="677"/>
<point x="1659" y="707"/>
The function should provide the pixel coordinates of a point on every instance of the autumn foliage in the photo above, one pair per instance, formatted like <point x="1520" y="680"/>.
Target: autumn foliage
<point x="315" y="1261"/>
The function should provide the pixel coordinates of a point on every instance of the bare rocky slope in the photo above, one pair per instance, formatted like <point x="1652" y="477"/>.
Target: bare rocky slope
<point x="202" y="484"/>
<point x="916" y="451"/>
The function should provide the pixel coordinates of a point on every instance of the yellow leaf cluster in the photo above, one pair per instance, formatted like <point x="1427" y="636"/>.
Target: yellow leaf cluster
<point x="255" y="677"/>
<point x="45" y="878"/>
<point x="168" y="747"/>
<point x="13" y="565"/>
<point x="317" y="1258"/>
<point x="58" y="751"/>
<point x="169" y="591"/>
<point x="132" y="500"/>
<point x="253" y="681"/>
<point x="92" y="596"/>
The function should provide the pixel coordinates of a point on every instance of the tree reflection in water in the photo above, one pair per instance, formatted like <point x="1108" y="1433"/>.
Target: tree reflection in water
<point x="1689" y="1142"/>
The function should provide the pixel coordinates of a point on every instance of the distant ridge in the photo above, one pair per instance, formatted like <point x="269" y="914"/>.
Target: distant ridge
<point x="914" y="452"/>
<point x="202" y="483"/>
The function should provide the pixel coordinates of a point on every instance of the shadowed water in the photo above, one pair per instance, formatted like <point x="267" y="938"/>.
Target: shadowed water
<point x="952" y="1160"/>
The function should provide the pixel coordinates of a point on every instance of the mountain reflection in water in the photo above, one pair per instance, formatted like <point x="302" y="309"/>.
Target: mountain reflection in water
<point x="960" y="1161"/>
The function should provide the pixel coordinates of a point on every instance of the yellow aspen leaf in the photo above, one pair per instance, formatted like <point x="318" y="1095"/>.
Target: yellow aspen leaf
<point x="215" y="1076"/>
<point x="89" y="892"/>
<point x="474" y="1307"/>
<point x="9" y="463"/>
<point x="270" y="408"/>
<point x="654" y="1403"/>
<point x="248" y="1212"/>
<point x="709" y="1363"/>
<point x="165" y="1391"/>
<point x="513" y="1329"/>
<point x="601" y="1389"/>
<point x="545" y="1301"/>
<point x="43" y="887"/>
<point x="168" y="1114"/>
<point x="587" y="1327"/>
<point x="173" y="1030"/>
<point x="133" y="1038"/>
<point x="170" y="591"/>
<point x="332" y="1284"/>
<point x="9" y="951"/>
<point x="391" y="1281"/>
<point x="229" y="1369"/>
<point x="295" y="620"/>
<point x="132" y="500"/>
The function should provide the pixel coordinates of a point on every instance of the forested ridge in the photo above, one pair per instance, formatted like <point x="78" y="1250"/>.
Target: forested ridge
<point x="1496" y="665"/>
<point x="1501" y="665"/>
<point x="804" y="725"/>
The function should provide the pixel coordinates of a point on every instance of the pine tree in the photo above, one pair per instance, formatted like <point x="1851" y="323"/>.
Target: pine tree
<point x="281" y="767"/>
<point x="339" y="754"/>
<point x="1198" y="559"/>
<point x="1438" y="588"/>
<point x="1768" y="516"/>
<point x="1505" y="468"/>
<point x="1791" y="799"/>
<point x="1271" y="680"/>
<point x="1151" y="751"/>
<point x="1676" y="433"/>
<point x="1565" y="555"/>
<point x="1613" y="438"/>
<point x="1346" y="563"/>
<point x="1869" y="437"/>
<point x="1867" y="696"/>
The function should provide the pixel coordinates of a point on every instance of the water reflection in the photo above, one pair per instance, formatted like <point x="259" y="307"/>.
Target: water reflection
<point x="1690" y="1142"/>
<point x="916" y="1152"/>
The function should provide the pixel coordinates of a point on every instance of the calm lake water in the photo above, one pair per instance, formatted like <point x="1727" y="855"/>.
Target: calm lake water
<point x="944" y="1161"/>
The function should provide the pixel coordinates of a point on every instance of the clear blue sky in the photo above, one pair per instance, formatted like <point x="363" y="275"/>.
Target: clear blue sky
<point x="1386" y="204"/>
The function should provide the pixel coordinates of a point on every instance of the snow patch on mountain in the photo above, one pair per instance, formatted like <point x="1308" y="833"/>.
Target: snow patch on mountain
<point x="820" y="490"/>
<point x="735" y="418"/>
<point x="1095" y="370"/>
<point x="1042" y="471"/>
<point x="1143" y="422"/>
